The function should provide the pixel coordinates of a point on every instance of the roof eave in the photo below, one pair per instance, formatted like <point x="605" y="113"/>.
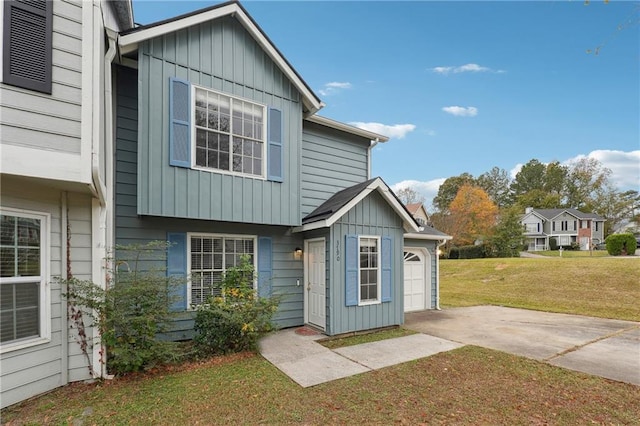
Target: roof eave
<point x="415" y="236"/>
<point x="324" y="121"/>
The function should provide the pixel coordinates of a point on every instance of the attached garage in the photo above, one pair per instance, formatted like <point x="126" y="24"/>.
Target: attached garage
<point x="421" y="280"/>
<point x="417" y="285"/>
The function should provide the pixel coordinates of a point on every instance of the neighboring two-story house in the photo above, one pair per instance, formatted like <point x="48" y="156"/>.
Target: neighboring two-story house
<point x="567" y="226"/>
<point x="54" y="184"/>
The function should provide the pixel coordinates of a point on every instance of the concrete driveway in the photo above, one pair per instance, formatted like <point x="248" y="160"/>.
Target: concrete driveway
<point x="602" y="347"/>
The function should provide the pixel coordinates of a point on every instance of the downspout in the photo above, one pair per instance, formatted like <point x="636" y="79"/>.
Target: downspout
<point x="369" y="150"/>
<point x="438" y="245"/>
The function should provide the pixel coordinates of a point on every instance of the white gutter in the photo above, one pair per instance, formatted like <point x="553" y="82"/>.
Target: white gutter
<point x="369" y="151"/>
<point x="440" y="244"/>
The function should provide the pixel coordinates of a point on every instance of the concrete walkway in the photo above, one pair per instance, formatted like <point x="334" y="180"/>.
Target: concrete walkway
<point x="602" y="347"/>
<point x="309" y="363"/>
<point x="598" y="346"/>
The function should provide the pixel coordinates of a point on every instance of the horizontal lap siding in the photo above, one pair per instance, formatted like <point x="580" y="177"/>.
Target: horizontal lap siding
<point x="37" y="369"/>
<point x="331" y="161"/>
<point x="372" y="216"/>
<point x="134" y="229"/>
<point x="44" y="121"/>
<point x="222" y="56"/>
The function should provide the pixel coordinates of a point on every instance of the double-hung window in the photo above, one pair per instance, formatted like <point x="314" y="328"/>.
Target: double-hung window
<point x="369" y="270"/>
<point x="230" y="134"/>
<point x="209" y="258"/>
<point x="24" y="294"/>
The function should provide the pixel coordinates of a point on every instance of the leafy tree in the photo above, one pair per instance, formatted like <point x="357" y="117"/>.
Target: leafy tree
<point x="507" y="235"/>
<point x="616" y="207"/>
<point x="586" y="177"/>
<point x="472" y="215"/>
<point x="538" y="199"/>
<point x="531" y="176"/>
<point x="449" y="189"/>
<point x="496" y="184"/>
<point x="555" y="178"/>
<point x="409" y="195"/>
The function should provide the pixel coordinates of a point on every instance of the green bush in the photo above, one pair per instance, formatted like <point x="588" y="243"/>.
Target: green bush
<point x="132" y="311"/>
<point x="235" y="320"/>
<point x="553" y="243"/>
<point x="619" y="244"/>
<point x="467" y="252"/>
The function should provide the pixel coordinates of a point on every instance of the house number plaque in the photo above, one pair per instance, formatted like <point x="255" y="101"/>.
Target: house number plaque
<point x="337" y="251"/>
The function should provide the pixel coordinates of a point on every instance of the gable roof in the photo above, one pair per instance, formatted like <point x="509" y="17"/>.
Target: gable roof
<point x="130" y="39"/>
<point x="341" y="202"/>
<point x="413" y="207"/>
<point x="328" y="122"/>
<point x="550" y="214"/>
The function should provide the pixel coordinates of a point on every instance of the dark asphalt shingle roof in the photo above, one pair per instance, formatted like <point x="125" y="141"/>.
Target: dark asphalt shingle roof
<point x="336" y="202"/>
<point x="551" y="213"/>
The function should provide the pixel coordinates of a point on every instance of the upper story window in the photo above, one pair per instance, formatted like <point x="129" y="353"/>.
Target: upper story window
<point x="26" y="34"/>
<point x="229" y="133"/>
<point x="532" y="227"/>
<point x="24" y="293"/>
<point x="217" y="132"/>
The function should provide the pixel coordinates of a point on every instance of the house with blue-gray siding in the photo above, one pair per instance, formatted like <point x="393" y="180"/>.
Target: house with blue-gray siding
<point x="220" y="150"/>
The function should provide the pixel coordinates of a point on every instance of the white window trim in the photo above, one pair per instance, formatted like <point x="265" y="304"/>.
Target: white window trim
<point x="379" y="273"/>
<point x="190" y="306"/>
<point x="265" y="140"/>
<point x="45" y="281"/>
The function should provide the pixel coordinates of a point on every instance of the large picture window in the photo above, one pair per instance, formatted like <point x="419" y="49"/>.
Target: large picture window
<point x="23" y="293"/>
<point x="230" y="133"/>
<point x="369" y="271"/>
<point x="210" y="256"/>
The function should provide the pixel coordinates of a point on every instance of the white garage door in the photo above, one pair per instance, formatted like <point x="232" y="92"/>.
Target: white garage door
<point x="416" y="294"/>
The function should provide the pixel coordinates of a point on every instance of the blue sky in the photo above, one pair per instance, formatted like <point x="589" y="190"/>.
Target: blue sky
<point x="465" y="86"/>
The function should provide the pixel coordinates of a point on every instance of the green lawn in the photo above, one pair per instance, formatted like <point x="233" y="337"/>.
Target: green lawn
<point x="607" y="287"/>
<point x="573" y="253"/>
<point x="469" y="385"/>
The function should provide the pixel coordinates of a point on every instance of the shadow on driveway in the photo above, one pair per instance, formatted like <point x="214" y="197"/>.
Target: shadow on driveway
<point x="598" y="346"/>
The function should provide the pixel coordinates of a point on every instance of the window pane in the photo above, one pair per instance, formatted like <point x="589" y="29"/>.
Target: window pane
<point x="26" y="295"/>
<point x="257" y="150"/>
<point x="28" y="262"/>
<point x="7" y="323"/>
<point x="201" y="157"/>
<point x="201" y="117"/>
<point x="7" y="262"/>
<point x="6" y="296"/>
<point x="7" y="230"/>
<point x="201" y="98"/>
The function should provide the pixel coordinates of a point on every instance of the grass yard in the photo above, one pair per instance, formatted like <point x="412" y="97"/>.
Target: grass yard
<point x="606" y="287"/>
<point x="470" y="385"/>
<point x="573" y="253"/>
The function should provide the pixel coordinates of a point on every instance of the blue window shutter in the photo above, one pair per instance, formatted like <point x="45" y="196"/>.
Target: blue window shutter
<point x="387" y="260"/>
<point x="275" y="149"/>
<point x="177" y="267"/>
<point x="265" y="266"/>
<point x="180" y="123"/>
<point x="351" y="268"/>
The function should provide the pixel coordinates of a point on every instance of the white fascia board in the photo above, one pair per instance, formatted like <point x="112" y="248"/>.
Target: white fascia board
<point x="412" y="236"/>
<point x="311" y="226"/>
<point x="129" y="43"/>
<point x="324" y="121"/>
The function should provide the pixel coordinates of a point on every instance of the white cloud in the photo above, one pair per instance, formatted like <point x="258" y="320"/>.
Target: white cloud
<point x="395" y="131"/>
<point x="624" y="166"/>
<point x="459" y="111"/>
<point x="428" y="189"/>
<point x="334" y="87"/>
<point x="463" y="68"/>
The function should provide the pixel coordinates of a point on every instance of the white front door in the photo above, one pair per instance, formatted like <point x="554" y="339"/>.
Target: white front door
<point x="416" y="290"/>
<point x="315" y="283"/>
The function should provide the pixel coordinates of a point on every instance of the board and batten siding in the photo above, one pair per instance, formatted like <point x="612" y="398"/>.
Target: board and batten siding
<point x="50" y="122"/>
<point x="219" y="55"/>
<point x="134" y="229"/>
<point x="373" y="216"/>
<point x="331" y="162"/>
<point x="40" y="368"/>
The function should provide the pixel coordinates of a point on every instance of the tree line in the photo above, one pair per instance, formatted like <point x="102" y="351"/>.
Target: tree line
<point x="489" y="207"/>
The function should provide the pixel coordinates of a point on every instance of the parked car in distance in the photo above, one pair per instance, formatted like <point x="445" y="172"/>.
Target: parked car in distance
<point x="600" y="246"/>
